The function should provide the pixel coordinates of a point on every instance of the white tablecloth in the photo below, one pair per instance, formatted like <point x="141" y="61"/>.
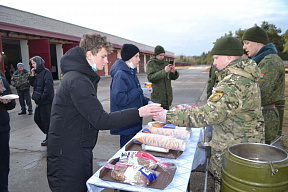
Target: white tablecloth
<point x="180" y="180"/>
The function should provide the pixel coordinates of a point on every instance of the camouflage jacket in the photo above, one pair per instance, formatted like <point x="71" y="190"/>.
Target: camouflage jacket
<point x="161" y="81"/>
<point x="212" y="80"/>
<point x="20" y="80"/>
<point x="272" y="82"/>
<point x="234" y="108"/>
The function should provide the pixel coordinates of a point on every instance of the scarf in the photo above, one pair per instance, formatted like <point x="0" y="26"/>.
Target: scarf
<point x="265" y="50"/>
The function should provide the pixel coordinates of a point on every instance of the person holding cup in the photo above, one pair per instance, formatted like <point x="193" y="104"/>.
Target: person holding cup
<point x="126" y="91"/>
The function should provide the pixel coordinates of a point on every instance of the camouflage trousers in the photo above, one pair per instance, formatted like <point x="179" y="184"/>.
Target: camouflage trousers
<point x="215" y="167"/>
<point x="272" y="124"/>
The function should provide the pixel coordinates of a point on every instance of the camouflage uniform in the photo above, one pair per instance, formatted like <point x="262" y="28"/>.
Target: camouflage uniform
<point x="234" y="110"/>
<point x="272" y="85"/>
<point x="161" y="82"/>
<point x="20" y="80"/>
<point x="212" y="80"/>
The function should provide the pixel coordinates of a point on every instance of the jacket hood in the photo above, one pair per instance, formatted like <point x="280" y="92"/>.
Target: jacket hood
<point x="39" y="64"/>
<point x="75" y="60"/>
<point x="243" y="67"/>
<point x="120" y="65"/>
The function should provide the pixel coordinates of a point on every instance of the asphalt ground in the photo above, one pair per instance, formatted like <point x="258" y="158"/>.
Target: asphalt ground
<point x="28" y="157"/>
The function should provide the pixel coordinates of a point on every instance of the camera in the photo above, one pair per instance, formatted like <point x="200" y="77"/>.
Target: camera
<point x="171" y="62"/>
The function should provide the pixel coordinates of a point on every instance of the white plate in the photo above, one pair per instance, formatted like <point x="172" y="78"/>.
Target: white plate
<point x="10" y="96"/>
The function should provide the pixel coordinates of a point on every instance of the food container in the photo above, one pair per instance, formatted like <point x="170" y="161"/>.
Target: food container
<point x="255" y="167"/>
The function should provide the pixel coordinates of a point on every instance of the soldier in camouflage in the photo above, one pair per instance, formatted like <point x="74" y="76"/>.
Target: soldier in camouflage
<point x="272" y="79"/>
<point x="234" y="108"/>
<point x="160" y="73"/>
<point x="20" y="80"/>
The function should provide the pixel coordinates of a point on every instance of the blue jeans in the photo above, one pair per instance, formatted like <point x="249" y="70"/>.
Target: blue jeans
<point x="4" y="160"/>
<point x="25" y="96"/>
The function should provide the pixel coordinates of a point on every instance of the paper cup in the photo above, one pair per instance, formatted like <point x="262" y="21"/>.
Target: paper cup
<point x="148" y="85"/>
<point x="157" y="104"/>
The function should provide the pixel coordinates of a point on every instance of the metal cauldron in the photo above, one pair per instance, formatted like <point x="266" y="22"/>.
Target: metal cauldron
<point x="255" y="167"/>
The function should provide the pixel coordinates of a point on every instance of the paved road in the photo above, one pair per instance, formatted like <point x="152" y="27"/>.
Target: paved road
<point x="28" y="158"/>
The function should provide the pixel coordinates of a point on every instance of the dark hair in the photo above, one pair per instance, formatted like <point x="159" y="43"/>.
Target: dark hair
<point x="94" y="42"/>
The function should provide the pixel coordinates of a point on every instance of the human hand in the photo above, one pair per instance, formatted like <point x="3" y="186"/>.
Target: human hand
<point x="161" y="116"/>
<point x="5" y="101"/>
<point x="168" y="68"/>
<point x="172" y="68"/>
<point x="32" y="72"/>
<point x="149" y="110"/>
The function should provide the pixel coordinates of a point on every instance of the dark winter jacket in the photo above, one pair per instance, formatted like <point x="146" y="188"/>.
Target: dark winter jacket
<point x="42" y="83"/>
<point x="20" y="80"/>
<point x="4" y="115"/>
<point x="125" y="92"/>
<point x="76" y="117"/>
<point x="161" y="82"/>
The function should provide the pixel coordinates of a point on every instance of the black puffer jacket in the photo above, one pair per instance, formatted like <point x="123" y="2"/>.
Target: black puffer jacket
<point x="77" y="116"/>
<point x="42" y="83"/>
<point x="4" y="115"/>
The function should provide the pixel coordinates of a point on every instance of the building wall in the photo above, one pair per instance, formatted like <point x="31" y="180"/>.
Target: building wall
<point x="23" y="27"/>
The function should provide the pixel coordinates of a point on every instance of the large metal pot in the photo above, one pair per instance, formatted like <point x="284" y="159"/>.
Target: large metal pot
<point x="255" y="167"/>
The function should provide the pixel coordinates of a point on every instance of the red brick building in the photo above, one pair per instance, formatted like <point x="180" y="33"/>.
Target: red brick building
<point x="24" y="35"/>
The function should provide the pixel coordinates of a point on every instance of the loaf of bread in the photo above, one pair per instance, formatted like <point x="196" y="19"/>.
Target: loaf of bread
<point x="138" y="157"/>
<point x="133" y="174"/>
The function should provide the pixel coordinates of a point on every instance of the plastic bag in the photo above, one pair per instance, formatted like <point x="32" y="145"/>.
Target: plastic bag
<point x="141" y="158"/>
<point x="166" y="142"/>
<point x="132" y="174"/>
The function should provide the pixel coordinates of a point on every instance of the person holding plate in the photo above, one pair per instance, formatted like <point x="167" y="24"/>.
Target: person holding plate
<point x="5" y="105"/>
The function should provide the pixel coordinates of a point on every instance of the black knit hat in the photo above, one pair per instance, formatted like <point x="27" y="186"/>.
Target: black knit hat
<point x="228" y="46"/>
<point x="128" y="51"/>
<point x="256" y="34"/>
<point x="158" y="50"/>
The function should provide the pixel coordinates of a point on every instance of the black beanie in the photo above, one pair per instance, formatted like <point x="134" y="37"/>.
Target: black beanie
<point x="128" y="51"/>
<point x="158" y="50"/>
<point x="256" y="34"/>
<point x="228" y="46"/>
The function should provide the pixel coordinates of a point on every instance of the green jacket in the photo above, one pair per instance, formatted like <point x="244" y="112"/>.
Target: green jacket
<point x="272" y="84"/>
<point x="161" y="82"/>
<point x="20" y="80"/>
<point x="234" y="110"/>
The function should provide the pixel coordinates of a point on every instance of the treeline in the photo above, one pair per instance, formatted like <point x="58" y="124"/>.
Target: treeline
<point x="280" y="42"/>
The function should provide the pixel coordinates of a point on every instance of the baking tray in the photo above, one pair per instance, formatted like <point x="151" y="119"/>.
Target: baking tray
<point x="162" y="181"/>
<point x="172" y="154"/>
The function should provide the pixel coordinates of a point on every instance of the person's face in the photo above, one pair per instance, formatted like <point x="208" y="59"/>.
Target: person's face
<point x="100" y="58"/>
<point x="20" y="68"/>
<point x="34" y="64"/>
<point x="251" y="47"/>
<point x="135" y="60"/>
<point x="220" y="61"/>
<point x="160" y="56"/>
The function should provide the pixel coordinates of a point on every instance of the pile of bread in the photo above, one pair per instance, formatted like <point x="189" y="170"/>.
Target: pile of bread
<point x="136" y="168"/>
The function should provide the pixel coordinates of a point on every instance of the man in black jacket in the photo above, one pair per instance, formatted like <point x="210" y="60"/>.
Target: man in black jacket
<point x="77" y="116"/>
<point x="5" y="105"/>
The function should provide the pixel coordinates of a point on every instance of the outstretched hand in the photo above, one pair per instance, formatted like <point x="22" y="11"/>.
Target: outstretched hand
<point x="149" y="110"/>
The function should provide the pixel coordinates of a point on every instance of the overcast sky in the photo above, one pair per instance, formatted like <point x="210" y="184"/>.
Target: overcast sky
<point x="186" y="27"/>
